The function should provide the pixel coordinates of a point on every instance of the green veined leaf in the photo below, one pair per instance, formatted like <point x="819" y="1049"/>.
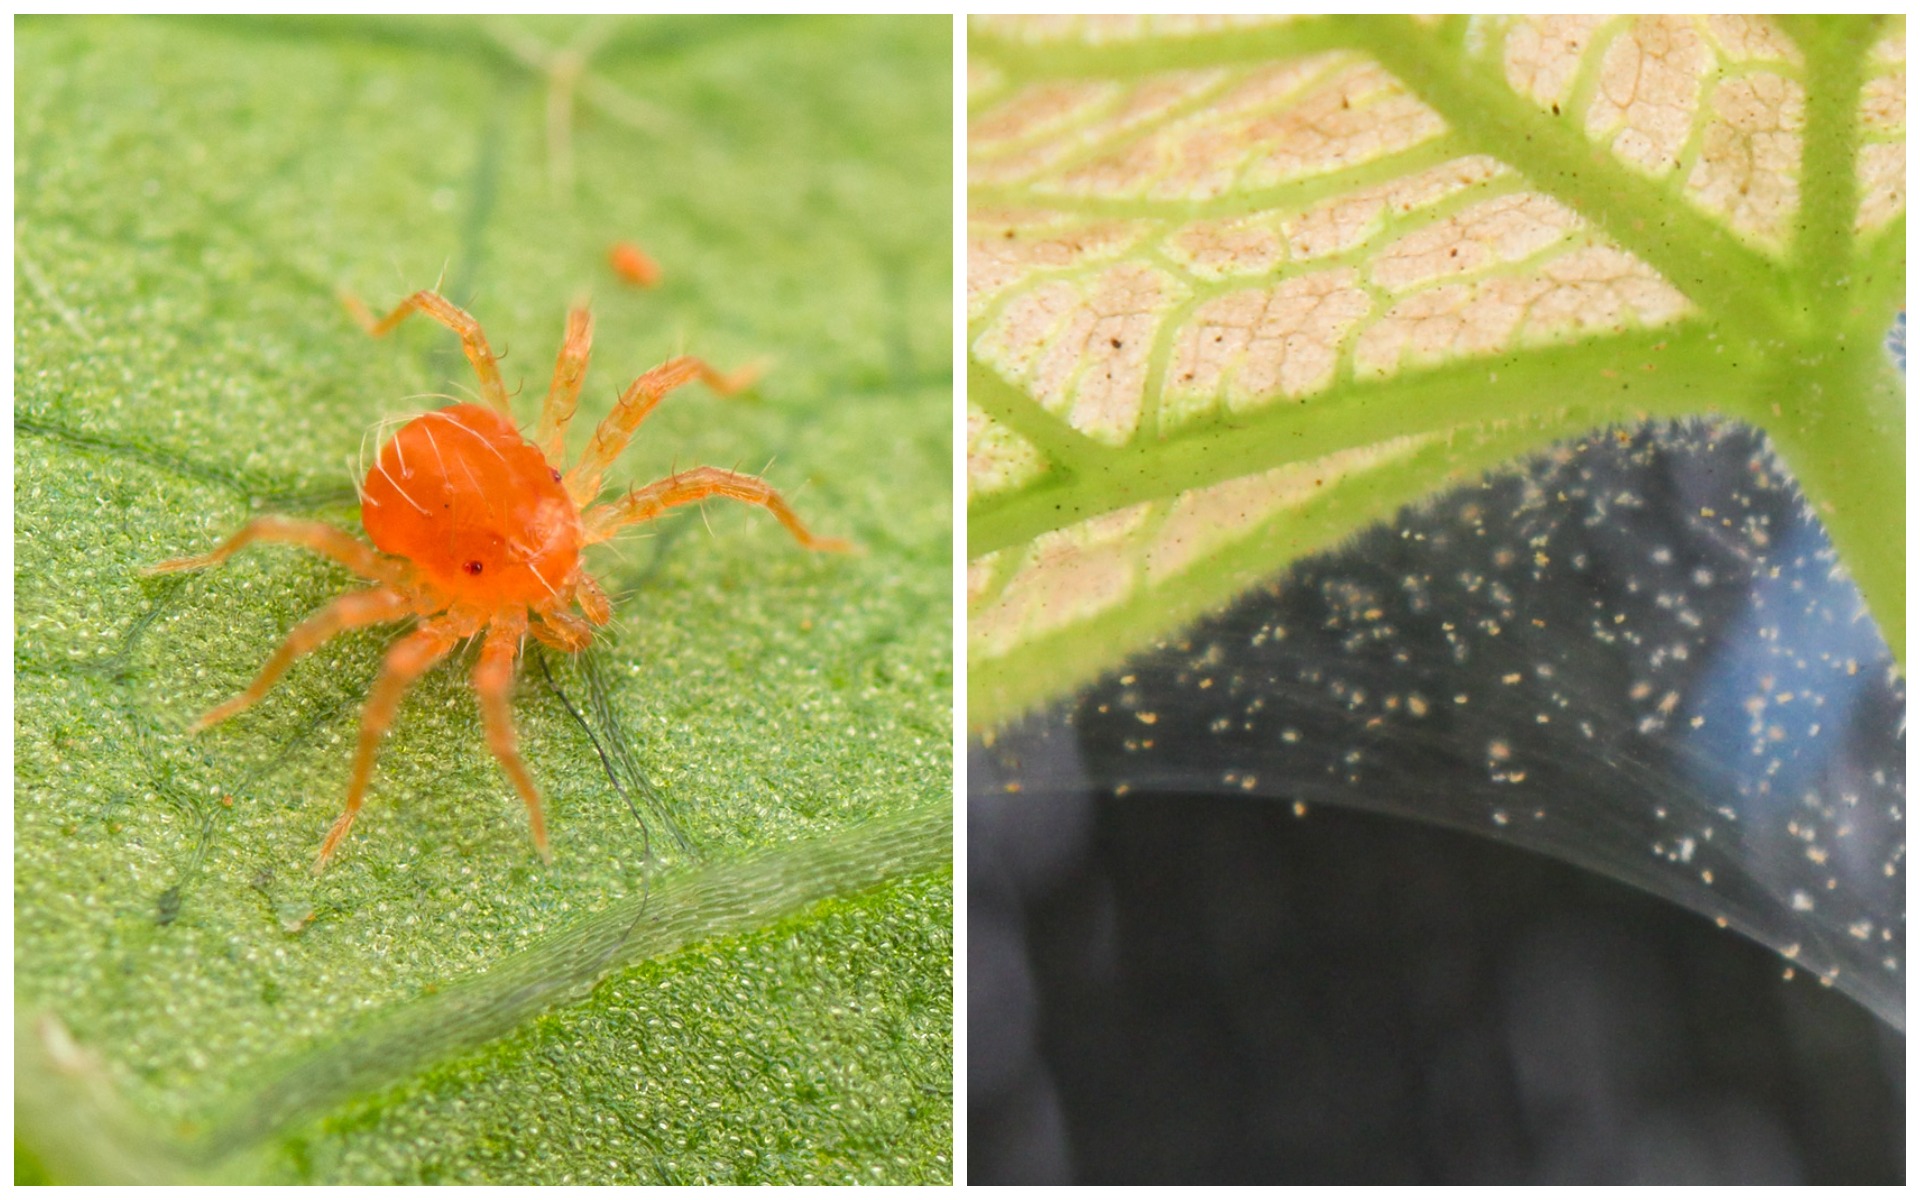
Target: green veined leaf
<point x="1239" y="287"/>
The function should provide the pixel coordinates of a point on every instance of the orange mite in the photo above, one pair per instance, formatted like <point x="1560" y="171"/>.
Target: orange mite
<point x="475" y="529"/>
<point x="632" y="264"/>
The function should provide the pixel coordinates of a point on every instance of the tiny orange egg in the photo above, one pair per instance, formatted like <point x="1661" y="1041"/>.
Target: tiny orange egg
<point x="633" y="265"/>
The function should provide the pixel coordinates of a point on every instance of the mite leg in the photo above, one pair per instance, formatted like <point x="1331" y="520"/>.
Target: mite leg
<point x="563" y="631"/>
<point x="442" y="310"/>
<point x="564" y="393"/>
<point x="691" y="487"/>
<point x="593" y="599"/>
<point x="493" y="683"/>
<point x="337" y="544"/>
<point x="409" y="658"/>
<point x="352" y="611"/>
<point x="583" y="481"/>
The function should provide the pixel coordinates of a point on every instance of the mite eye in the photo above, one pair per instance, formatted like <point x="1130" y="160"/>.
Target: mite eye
<point x="475" y="567"/>
<point x="556" y="475"/>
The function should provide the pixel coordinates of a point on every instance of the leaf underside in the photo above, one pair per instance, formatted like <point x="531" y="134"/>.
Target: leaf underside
<point x="1240" y="287"/>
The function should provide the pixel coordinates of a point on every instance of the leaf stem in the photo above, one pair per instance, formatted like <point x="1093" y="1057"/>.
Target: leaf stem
<point x="1842" y="430"/>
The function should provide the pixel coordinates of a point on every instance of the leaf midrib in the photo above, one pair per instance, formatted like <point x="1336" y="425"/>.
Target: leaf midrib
<point x="1678" y="370"/>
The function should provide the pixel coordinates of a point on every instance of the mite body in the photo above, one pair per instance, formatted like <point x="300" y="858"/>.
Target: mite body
<point x="477" y="530"/>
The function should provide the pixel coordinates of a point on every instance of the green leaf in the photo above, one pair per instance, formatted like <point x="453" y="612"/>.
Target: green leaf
<point x="739" y="965"/>
<point x="1241" y="287"/>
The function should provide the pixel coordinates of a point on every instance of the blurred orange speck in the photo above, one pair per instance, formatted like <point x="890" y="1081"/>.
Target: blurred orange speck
<point x="631" y="264"/>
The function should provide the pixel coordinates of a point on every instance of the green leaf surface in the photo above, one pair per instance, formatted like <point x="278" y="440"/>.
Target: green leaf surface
<point x="739" y="966"/>
<point x="1239" y="287"/>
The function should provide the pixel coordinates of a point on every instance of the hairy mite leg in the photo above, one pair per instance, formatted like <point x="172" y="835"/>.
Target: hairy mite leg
<point x="493" y="683"/>
<point x="409" y="658"/>
<point x="442" y="310"/>
<point x="592" y="599"/>
<point x="358" y="557"/>
<point x="562" y="630"/>
<point x="564" y="393"/>
<point x="691" y="487"/>
<point x="583" y="481"/>
<point x="351" y="611"/>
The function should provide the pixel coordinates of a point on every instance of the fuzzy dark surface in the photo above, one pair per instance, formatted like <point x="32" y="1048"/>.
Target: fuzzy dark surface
<point x="1211" y="991"/>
